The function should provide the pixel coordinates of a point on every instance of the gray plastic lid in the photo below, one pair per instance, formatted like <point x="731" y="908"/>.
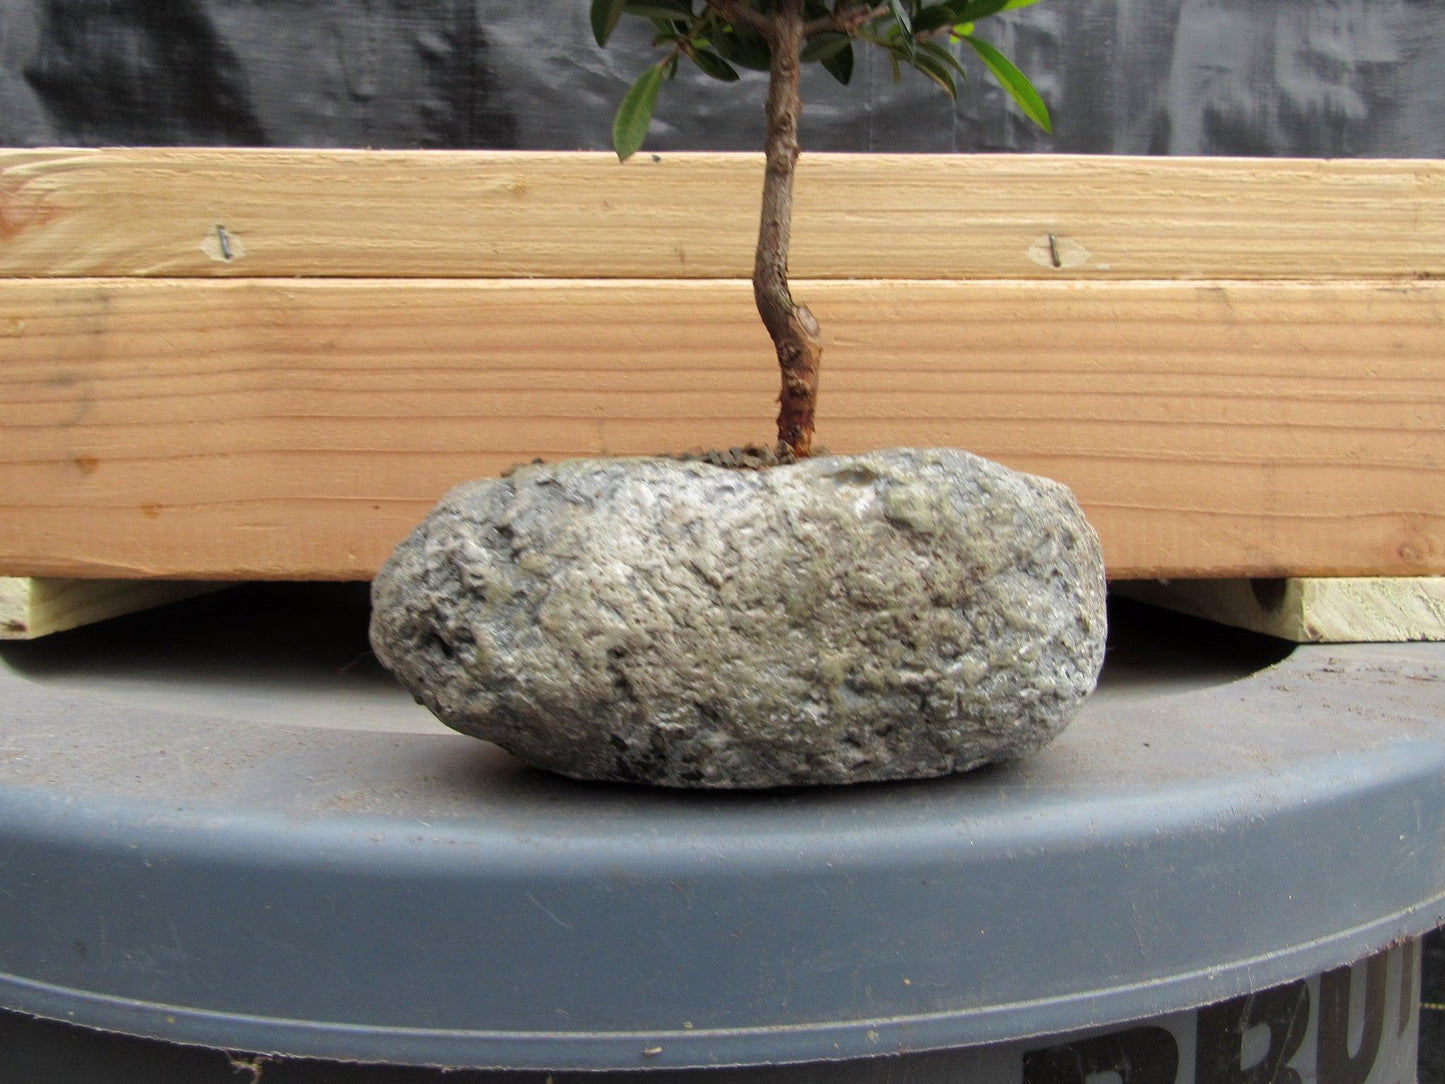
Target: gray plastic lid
<point x="251" y="840"/>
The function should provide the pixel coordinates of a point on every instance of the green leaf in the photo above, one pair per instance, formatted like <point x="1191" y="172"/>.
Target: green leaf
<point x="936" y="71"/>
<point x="634" y="115"/>
<point x="834" y="52"/>
<point x="1013" y="81"/>
<point x="943" y="56"/>
<point x="714" y="65"/>
<point x="743" y="47"/>
<point x="840" y="65"/>
<point x="905" y="25"/>
<point x="933" y="17"/>
<point x="605" y="14"/>
<point x="973" y="10"/>
<point x="970" y="11"/>
<point x="824" y="46"/>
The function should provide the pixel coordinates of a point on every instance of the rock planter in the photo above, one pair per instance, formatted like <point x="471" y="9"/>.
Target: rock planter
<point x="897" y="614"/>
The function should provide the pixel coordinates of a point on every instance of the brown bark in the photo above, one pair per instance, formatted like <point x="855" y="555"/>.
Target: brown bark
<point x="793" y="329"/>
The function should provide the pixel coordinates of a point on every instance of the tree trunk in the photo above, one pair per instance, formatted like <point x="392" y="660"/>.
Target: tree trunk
<point x="792" y="327"/>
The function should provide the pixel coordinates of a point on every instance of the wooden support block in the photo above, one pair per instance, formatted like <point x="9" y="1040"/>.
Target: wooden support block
<point x="31" y="606"/>
<point x="550" y="215"/>
<point x="297" y="430"/>
<point x="1335" y="610"/>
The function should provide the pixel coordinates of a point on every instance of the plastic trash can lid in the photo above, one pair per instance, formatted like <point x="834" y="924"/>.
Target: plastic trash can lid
<point x="235" y="844"/>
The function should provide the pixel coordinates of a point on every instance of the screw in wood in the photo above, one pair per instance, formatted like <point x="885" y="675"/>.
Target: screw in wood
<point x="225" y="240"/>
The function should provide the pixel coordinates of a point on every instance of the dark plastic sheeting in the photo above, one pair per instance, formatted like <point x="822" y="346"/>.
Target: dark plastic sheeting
<point x="1350" y="78"/>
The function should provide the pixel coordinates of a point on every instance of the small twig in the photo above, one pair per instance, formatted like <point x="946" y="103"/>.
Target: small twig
<point x="844" y="22"/>
<point x="735" y="12"/>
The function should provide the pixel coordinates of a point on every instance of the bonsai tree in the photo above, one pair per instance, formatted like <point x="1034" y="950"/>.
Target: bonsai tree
<point x="595" y="618"/>
<point x="779" y="37"/>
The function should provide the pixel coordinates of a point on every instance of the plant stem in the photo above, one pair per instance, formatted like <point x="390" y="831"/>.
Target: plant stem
<point x="793" y="329"/>
<point x="845" y="21"/>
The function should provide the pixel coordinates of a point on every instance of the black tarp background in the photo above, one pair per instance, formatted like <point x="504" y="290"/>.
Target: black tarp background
<point x="1348" y="78"/>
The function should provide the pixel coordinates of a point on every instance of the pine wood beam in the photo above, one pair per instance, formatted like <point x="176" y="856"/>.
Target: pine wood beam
<point x="297" y="429"/>
<point x="1336" y="610"/>
<point x="257" y="213"/>
<point x="35" y="607"/>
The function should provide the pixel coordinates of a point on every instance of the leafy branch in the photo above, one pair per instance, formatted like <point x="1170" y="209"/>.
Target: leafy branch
<point x="720" y="36"/>
<point x="779" y="36"/>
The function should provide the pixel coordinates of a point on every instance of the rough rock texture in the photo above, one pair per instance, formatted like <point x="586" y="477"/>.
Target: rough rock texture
<point x="896" y="614"/>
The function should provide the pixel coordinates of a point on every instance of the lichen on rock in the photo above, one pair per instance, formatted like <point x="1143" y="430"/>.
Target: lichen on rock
<point x="896" y="614"/>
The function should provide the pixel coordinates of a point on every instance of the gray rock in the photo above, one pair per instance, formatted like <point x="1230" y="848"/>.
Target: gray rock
<point x="891" y="615"/>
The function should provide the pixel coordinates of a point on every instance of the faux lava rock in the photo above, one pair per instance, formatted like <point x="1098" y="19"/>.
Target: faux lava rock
<point x="897" y="614"/>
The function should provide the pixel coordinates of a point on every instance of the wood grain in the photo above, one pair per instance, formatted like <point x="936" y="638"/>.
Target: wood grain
<point x="297" y="429"/>
<point x="1338" y="610"/>
<point x="35" y="607"/>
<point x="156" y="212"/>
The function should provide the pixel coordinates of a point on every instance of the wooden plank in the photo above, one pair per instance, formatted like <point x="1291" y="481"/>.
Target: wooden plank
<point x="1338" y="610"/>
<point x="500" y="214"/>
<point x="35" y="607"/>
<point x="261" y="429"/>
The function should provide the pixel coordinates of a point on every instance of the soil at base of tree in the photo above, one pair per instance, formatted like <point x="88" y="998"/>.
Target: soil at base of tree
<point x="746" y="457"/>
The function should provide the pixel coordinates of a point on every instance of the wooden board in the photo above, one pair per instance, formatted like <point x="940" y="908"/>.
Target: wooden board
<point x="34" y="607"/>
<point x="1340" y="610"/>
<point x="297" y="429"/>
<point x="479" y="214"/>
